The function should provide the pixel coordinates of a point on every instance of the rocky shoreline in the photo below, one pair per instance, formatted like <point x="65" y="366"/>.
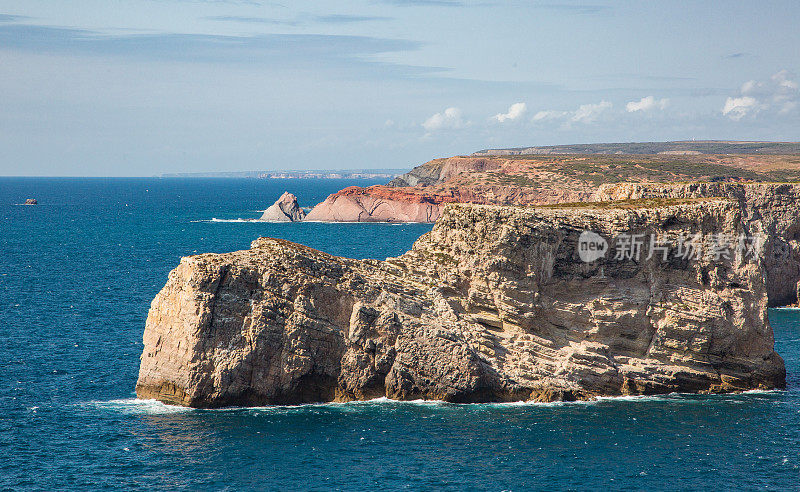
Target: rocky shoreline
<point x="494" y="304"/>
<point x="524" y="290"/>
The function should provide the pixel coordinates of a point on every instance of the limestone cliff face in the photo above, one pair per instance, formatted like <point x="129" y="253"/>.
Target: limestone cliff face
<point x="494" y="304"/>
<point x="768" y="208"/>
<point x="285" y="209"/>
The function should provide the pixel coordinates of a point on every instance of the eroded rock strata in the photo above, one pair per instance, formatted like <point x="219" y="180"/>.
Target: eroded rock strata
<point x="770" y="209"/>
<point x="379" y="204"/>
<point x="544" y="178"/>
<point x="494" y="304"/>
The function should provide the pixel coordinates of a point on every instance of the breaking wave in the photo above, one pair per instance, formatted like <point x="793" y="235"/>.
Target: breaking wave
<point x="135" y="406"/>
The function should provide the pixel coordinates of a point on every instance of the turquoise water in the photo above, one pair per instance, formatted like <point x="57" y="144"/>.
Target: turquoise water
<point x="77" y="274"/>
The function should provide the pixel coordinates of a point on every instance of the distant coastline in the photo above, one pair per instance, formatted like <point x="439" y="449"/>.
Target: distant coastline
<point x="297" y="174"/>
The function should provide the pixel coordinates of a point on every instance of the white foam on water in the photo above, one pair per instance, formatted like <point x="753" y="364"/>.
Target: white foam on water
<point x="135" y="406"/>
<point x="669" y="396"/>
<point x="385" y="400"/>
<point x="761" y="392"/>
<point x="537" y="403"/>
<point x="240" y="220"/>
<point x="347" y="406"/>
<point x="215" y="220"/>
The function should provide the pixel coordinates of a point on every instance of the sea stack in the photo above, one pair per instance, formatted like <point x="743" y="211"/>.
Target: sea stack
<point x="494" y="304"/>
<point x="286" y="209"/>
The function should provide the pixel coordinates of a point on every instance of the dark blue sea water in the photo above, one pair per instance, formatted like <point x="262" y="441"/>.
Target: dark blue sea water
<point x="77" y="274"/>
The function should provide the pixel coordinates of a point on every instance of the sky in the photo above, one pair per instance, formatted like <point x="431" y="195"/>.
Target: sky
<point x="143" y="87"/>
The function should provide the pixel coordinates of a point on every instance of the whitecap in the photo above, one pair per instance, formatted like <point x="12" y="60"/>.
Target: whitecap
<point x="135" y="406"/>
<point x="214" y="219"/>
<point x="761" y="392"/>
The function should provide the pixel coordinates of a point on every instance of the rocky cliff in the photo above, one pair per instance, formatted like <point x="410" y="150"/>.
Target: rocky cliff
<point x="285" y="209"/>
<point x="544" y="178"/>
<point x="771" y="209"/>
<point x="379" y="204"/>
<point x="551" y="179"/>
<point x="494" y="304"/>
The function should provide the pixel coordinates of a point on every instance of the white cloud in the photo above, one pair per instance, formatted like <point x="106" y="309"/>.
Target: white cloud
<point x="549" y="115"/>
<point x="514" y="112"/>
<point x="778" y="95"/>
<point x="588" y="113"/>
<point x="750" y="86"/>
<point x="737" y="108"/>
<point x="784" y="82"/>
<point x="646" y="104"/>
<point x="447" y="119"/>
<point x="788" y="107"/>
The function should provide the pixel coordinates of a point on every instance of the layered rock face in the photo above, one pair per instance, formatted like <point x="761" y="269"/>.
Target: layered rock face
<point x="424" y="175"/>
<point x="285" y="209"/>
<point x="539" y="178"/>
<point x="378" y="204"/>
<point x="769" y="208"/>
<point x="494" y="304"/>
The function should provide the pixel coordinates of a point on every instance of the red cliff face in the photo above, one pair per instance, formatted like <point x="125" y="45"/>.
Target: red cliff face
<point x="379" y="204"/>
<point x="419" y="195"/>
<point x="418" y="204"/>
<point x="409" y="195"/>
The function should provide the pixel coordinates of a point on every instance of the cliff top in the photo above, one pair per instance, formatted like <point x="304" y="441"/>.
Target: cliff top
<point x="635" y="203"/>
<point x="598" y="209"/>
<point x="605" y="212"/>
<point x="674" y="147"/>
<point x="554" y="178"/>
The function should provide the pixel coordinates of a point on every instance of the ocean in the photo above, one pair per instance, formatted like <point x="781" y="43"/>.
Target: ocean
<point x="78" y="272"/>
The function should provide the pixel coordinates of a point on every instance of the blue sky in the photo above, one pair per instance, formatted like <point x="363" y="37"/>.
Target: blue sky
<point x="137" y="88"/>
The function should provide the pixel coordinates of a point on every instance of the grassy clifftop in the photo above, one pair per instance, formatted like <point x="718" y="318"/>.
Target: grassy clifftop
<point x="567" y="177"/>
<point x="683" y="146"/>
